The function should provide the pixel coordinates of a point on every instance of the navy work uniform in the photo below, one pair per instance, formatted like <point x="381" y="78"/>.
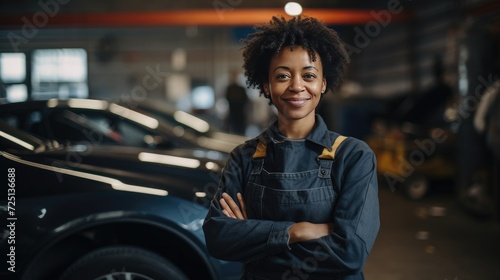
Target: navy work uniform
<point x="284" y="181"/>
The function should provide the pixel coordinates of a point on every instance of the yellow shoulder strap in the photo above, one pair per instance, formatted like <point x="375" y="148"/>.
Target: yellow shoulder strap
<point x="326" y="154"/>
<point x="260" y="151"/>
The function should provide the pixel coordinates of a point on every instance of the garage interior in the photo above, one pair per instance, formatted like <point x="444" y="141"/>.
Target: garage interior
<point x="419" y="69"/>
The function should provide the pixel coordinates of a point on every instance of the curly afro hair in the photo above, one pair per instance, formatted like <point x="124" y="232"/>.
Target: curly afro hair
<point x="306" y="32"/>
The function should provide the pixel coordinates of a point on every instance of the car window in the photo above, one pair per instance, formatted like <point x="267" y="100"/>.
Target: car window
<point x="26" y="121"/>
<point x="102" y="127"/>
<point x="137" y="135"/>
<point x="13" y="139"/>
<point x="72" y="126"/>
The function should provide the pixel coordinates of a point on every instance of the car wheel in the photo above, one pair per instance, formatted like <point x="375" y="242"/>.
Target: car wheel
<point x="122" y="262"/>
<point x="416" y="186"/>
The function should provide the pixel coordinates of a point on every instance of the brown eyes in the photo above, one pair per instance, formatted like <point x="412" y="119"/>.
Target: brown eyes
<point x="306" y="76"/>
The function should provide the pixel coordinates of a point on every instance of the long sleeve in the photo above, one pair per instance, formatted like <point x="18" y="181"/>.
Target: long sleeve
<point x="356" y="215"/>
<point x="241" y="240"/>
<point x="294" y="188"/>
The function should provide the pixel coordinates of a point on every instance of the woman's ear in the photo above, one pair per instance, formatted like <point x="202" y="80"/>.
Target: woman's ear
<point x="323" y="87"/>
<point x="266" y="90"/>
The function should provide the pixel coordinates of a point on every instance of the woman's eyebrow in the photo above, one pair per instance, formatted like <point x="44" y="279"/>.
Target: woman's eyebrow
<point x="281" y="67"/>
<point x="311" y="67"/>
<point x="288" y="68"/>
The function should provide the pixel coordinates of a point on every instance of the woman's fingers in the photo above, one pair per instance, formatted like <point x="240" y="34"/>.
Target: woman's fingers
<point x="226" y="210"/>
<point x="242" y="204"/>
<point x="232" y="210"/>
<point x="233" y="206"/>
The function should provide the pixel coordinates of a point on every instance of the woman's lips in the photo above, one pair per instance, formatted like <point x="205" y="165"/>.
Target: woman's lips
<point x="297" y="102"/>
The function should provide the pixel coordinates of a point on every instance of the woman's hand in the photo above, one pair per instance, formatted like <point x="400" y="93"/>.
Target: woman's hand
<point x="231" y="209"/>
<point x="305" y="231"/>
<point x="299" y="232"/>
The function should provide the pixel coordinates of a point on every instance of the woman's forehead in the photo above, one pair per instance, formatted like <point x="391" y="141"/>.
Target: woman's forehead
<point x="297" y="52"/>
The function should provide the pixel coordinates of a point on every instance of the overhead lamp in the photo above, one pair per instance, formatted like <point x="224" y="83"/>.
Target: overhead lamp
<point x="293" y="9"/>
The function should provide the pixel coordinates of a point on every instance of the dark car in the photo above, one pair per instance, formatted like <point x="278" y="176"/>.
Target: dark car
<point x="104" y="122"/>
<point x="184" y="121"/>
<point x="105" y="212"/>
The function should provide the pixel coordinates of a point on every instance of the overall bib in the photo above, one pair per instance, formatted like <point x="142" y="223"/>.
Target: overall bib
<point x="302" y="195"/>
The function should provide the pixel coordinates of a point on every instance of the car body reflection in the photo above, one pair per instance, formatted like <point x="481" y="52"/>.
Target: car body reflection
<point x="78" y="200"/>
<point x="102" y="122"/>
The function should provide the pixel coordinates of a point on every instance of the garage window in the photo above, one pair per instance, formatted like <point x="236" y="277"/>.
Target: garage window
<point x="43" y="74"/>
<point x="13" y="77"/>
<point x="59" y="73"/>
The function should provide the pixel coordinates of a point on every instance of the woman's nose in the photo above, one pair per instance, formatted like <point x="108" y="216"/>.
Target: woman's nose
<point x="296" y="84"/>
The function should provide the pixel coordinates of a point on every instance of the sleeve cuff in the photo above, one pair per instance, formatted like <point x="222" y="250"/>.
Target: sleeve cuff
<point x="279" y="237"/>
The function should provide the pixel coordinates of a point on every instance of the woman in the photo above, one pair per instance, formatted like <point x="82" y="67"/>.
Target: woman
<point x="298" y="201"/>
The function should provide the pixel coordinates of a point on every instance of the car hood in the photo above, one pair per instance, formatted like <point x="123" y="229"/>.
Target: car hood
<point x="184" y="173"/>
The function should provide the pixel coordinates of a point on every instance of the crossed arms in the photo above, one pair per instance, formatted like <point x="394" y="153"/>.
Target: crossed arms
<point x="298" y="232"/>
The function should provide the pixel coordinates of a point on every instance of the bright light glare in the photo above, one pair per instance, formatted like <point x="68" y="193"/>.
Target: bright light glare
<point x="134" y="116"/>
<point x="293" y="9"/>
<point x="200" y="194"/>
<point x="69" y="65"/>
<point x="169" y="160"/>
<point x="115" y="184"/>
<point x="87" y="104"/>
<point x="212" y="166"/>
<point x="17" y="141"/>
<point x="17" y="93"/>
<point x="13" y="67"/>
<point x="216" y="144"/>
<point x="191" y="121"/>
<point x="138" y="189"/>
<point x="51" y="103"/>
<point x="203" y="97"/>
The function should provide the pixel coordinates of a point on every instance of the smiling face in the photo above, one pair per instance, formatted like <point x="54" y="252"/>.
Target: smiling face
<point x="295" y="85"/>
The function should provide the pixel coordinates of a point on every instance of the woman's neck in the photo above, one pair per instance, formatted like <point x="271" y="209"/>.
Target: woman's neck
<point x="295" y="129"/>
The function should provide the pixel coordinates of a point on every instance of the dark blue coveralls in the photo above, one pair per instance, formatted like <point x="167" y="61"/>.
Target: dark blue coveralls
<point x="284" y="181"/>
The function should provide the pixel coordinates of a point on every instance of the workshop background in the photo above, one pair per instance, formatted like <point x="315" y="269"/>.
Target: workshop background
<point x="420" y="91"/>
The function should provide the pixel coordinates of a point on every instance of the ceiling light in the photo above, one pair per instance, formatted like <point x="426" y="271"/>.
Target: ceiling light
<point x="293" y="8"/>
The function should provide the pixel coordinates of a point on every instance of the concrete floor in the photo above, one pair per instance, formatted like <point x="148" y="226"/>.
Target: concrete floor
<point x="432" y="239"/>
